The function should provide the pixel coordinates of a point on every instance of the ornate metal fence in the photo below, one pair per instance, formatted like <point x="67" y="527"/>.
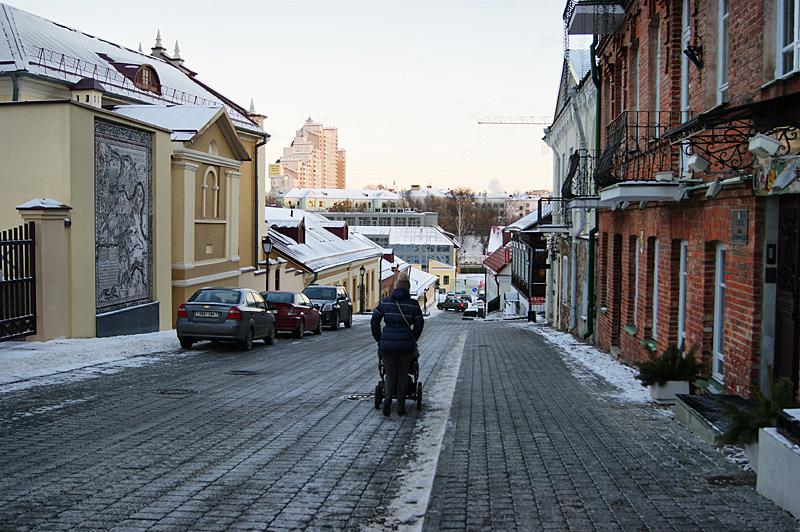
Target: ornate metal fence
<point x="17" y="282"/>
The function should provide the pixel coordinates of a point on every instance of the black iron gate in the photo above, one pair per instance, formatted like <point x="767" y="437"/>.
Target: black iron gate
<point x="17" y="282"/>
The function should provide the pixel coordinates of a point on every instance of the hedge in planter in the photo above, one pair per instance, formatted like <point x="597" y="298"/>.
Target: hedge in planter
<point x="671" y="365"/>
<point x="745" y="423"/>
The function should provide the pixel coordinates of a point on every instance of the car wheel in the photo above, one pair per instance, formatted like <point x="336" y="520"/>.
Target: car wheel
<point x="318" y="330"/>
<point x="186" y="343"/>
<point x="349" y="322"/>
<point x="335" y="324"/>
<point x="247" y="343"/>
<point x="301" y="329"/>
<point x="270" y="338"/>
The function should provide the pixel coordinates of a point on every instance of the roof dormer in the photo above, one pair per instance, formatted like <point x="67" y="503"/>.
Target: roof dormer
<point x="146" y="79"/>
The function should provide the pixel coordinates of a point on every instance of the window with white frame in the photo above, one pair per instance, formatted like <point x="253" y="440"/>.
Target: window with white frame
<point x="788" y="48"/>
<point x="722" y="51"/>
<point x="682" y="276"/>
<point x="718" y="362"/>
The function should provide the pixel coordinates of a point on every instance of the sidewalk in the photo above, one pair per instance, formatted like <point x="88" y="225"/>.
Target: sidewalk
<point x="542" y="440"/>
<point x="26" y="364"/>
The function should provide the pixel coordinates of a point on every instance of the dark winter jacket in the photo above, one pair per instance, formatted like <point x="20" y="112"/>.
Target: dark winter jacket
<point x="396" y="335"/>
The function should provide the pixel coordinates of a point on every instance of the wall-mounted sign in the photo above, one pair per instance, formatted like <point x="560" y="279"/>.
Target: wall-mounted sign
<point x="739" y="226"/>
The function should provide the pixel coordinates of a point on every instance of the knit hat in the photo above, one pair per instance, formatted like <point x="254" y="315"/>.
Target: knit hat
<point x="402" y="281"/>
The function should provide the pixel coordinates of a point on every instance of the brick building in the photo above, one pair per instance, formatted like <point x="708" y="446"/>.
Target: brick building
<point x="698" y="232"/>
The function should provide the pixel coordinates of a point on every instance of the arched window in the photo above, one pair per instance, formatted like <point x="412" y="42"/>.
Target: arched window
<point x="146" y="79"/>
<point x="209" y="195"/>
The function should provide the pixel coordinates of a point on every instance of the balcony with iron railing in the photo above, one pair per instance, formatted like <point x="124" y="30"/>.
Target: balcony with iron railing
<point x="579" y="182"/>
<point x="637" y="148"/>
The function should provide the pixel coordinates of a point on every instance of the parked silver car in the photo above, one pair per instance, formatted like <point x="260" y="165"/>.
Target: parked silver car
<point x="225" y="314"/>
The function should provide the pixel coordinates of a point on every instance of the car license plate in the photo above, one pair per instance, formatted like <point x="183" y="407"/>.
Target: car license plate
<point x="206" y="314"/>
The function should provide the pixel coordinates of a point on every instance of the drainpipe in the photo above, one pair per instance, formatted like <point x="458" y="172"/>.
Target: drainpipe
<point x="14" y="87"/>
<point x="593" y="231"/>
<point x="257" y="209"/>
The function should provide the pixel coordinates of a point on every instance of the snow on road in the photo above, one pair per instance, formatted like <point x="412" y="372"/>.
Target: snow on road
<point x="407" y="511"/>
<point x="586" y="361"/>
<point x="27" y="364"/>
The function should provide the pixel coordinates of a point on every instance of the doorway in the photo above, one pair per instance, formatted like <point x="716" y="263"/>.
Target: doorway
<point x="787" y="311"/>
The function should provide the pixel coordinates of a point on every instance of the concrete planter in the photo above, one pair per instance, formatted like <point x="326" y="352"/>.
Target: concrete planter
<point x="664" y="394"/>
<point x="779" y="470"/>
<point x="752" y="454"/>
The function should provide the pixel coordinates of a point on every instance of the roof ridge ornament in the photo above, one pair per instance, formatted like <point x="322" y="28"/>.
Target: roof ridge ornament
<point x="158" y="39"/>
<point x="177" y="53"/>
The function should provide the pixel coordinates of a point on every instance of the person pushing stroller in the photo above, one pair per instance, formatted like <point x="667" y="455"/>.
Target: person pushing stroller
<point x="397" y="342"/>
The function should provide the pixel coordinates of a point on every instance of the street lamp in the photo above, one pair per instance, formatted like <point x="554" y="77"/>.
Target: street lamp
<point x="362" y="271"/>
<point x="266" y="245"/>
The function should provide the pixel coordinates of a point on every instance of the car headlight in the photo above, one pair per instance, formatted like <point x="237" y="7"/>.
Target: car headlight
<point x="327" y="307"/>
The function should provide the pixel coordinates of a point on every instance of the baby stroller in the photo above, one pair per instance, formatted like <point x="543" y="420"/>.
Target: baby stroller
<point x="413" y="390"/>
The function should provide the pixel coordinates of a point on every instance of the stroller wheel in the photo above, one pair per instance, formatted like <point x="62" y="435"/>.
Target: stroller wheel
<point x="419" y="396"/>
<point x="378" y="395"/>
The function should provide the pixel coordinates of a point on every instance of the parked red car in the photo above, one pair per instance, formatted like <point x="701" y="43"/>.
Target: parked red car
<point x="295" y="313"/>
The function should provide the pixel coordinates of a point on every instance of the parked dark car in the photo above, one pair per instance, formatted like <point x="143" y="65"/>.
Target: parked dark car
<point x="452" y="303"/>
<point x="333" y="303"/>
<point x="296" y="314"/>
<point x="225" y="314"/>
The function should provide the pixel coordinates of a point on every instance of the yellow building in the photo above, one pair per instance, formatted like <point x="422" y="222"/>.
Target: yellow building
<point x="445" y="273"/>
<point x="159" y="177"/>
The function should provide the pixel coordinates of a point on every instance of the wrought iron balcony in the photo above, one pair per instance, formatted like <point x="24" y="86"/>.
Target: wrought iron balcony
<point x="637" y="149"/>
<point x="579" y="182"/>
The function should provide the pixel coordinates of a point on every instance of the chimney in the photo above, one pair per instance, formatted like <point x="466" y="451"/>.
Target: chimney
<point x="88" y="91"/>
<point x="158" y="50"/>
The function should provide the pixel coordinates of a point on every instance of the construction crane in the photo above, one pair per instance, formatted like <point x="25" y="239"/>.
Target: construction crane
<point x="516" y="120"/>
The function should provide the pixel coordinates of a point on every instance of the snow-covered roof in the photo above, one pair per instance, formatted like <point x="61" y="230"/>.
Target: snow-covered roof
<point x="404" y="235"/>
<point x="33" y="44"/>
<point x="322" y="249"/>
<point x="438" y="265"/>
<point x="526" y="222"/>
<point x="340" y="193"/>
<point x="419" y="280"/>
<point x="580" y="63"/>
<point x="183" y="120"/>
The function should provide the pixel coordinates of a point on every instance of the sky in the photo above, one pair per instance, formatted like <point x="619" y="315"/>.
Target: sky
<point x="404" y="82"/>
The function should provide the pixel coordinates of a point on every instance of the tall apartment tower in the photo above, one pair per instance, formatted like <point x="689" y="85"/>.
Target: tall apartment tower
<point x="341" y="169"/>
<point x="314" y="159"/>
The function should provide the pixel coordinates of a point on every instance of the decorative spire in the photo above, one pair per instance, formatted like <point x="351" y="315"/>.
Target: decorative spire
<point x="252" y="107"/>
<point x="177" y="53"/>
<point x="140" y="46"/>
<point x="158" y="40"/>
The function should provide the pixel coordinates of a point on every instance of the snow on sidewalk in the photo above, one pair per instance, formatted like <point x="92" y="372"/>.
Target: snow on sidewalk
<point x="27" y="364"/>
<point x="586" y="361"/>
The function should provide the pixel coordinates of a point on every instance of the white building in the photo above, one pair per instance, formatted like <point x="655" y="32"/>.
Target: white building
<point x="572" y="138"/>
<point x="325" y="199"/>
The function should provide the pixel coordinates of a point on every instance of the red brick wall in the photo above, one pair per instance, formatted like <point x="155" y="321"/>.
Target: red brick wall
<point x="702" y="223"/>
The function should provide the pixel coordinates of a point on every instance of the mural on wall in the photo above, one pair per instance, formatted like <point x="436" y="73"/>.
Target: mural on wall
<point x="123" y="212"/>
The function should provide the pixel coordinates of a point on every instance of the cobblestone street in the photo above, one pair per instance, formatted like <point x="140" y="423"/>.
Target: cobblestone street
<point x="220" y="439"/>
